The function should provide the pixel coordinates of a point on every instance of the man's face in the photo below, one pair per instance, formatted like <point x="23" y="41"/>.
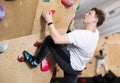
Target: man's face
<point x="90" y="17"/>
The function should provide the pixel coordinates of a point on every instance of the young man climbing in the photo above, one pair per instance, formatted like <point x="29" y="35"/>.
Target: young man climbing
<point x="80" y="47"/>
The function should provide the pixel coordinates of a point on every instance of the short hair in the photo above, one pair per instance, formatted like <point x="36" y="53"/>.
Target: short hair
<point x="101" y="52"/>
<point x="100" y="15"/>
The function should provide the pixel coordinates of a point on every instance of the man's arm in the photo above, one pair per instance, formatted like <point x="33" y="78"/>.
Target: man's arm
<point x="96" y="56"/>
<point x="57" y="38"/>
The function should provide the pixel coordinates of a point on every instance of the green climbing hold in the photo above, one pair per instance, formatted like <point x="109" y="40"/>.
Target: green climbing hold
<point x="78" y="7"/>
<point x="46" y="0"/>
<point x="69" y="26"/>
<point x="57" y="81"/>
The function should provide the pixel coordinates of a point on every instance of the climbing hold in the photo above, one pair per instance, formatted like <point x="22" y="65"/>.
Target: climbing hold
<point x="2" y="12"/>
<point x="68" y="3"/>
<point x="9" y="0"/>
<point x="83" y="81"/>
<point x="46" y="0"/>
<point x="21" y="58"/>
<point x="53" y="12"/>
<point x="78" y="7"/>
<point x="3" y="46"/>
<point x="57" y="81"/>
<point x="106" y="37"/>
<point x="45" y="65"/>
<point x="90" y="62"/>
<point x="38" y="43"/>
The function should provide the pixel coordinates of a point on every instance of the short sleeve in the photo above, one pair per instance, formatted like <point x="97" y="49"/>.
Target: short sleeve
<point x="76" y="37"/>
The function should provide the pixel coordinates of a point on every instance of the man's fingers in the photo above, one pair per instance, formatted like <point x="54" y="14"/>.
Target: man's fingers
<point x="50" y="13"/>
<point x="47" y="13"/>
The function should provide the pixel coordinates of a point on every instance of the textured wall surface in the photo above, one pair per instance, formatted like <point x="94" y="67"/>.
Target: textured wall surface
<point x="19" y="18"/>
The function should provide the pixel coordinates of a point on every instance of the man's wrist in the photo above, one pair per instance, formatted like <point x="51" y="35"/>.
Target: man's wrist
<point x="50" y="23"/>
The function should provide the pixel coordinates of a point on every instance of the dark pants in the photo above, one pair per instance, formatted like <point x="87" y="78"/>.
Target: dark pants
<point x="61" y="56"/>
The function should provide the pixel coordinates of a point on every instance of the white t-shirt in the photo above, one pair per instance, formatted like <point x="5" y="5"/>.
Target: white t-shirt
<point x="82" y="47"/>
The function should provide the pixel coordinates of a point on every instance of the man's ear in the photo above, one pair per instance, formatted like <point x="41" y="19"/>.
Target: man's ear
<point x="96" y="20"/>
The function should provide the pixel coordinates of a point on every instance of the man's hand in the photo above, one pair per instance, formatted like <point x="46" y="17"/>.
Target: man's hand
<point x="96" y="57"/>
<point x="47" y="16"/>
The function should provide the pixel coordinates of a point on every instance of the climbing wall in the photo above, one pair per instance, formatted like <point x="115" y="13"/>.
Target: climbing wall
<point x="22" y="18"/>
<point x="61" y="18"/>
<point x="13" y="71"/>
<point x="19" y="18"/>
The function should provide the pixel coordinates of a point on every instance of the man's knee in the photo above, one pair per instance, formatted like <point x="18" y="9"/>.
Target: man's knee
<point x="48" y="37"/>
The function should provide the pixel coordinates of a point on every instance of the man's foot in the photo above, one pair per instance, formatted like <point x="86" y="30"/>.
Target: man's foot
<point x="29" y="58"/>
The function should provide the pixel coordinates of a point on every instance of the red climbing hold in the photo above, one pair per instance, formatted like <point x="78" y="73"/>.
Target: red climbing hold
<point x="68" y="3"/>
<point x="21" y="58"/>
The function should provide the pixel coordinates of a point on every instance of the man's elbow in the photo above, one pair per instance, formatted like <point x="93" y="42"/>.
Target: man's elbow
<point x="56" y="41"/>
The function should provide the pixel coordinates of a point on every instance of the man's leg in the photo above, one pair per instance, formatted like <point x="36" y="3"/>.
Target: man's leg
<point x="70" y="78"/>
<point x="59" y="52"/>
<point x="98" y="67"/>
<point x="42" y="52"/>
<point x="61" y="56"/>
<point x="105" y="66"/>
<point x="48" y="45"/>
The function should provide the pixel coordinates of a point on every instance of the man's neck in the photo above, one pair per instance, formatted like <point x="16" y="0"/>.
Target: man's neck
<point x="91" y="28"/>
